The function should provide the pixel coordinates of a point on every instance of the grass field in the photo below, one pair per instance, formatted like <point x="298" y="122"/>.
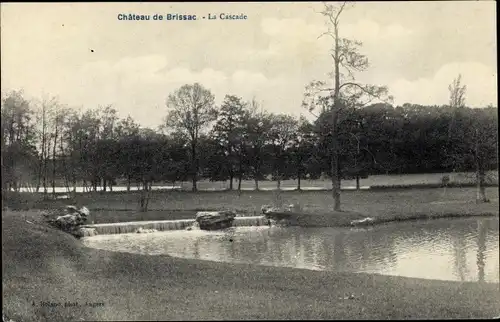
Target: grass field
<point x="356" y="204"/>
<point x="169" y="205"/>
<point x="456" y="178"/>
<point x="40" y="263"/>
<point x="373" y="180"/>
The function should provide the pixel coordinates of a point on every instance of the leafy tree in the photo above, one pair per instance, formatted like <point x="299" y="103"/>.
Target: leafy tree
<point x="228" y="131"/>
<point x="176" y="166"/>
<point x="303" y="153"/>
<point x="475" y="144"/>
<point x="214" y="160"/>
<point x="256" y="137"/>
<point x="472" y="136"/>
<point x="282" y="135"/>
<point x="191" y="110"/>
<point x="126" y="129"/>
<point x="19" y="165"/>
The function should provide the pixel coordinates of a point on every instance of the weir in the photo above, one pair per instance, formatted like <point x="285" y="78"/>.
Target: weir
<point x="250" y="221"/>
<point x="164" y="225"/>
<point x="133" y="226"/>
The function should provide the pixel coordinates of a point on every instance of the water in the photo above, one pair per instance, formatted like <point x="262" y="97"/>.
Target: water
<point x="444" y="249"/>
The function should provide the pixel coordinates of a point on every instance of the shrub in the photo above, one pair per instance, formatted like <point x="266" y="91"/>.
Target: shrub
<point x="445" y="180"/>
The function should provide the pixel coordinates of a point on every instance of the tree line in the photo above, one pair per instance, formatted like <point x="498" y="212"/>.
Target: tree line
<point x="49" y="144"/>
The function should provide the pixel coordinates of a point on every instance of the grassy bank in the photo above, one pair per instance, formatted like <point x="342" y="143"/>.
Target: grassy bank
<point x="382" y="205"/>
<point x="43" y="264"/>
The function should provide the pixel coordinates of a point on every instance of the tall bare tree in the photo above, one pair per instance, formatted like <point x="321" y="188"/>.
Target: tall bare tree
<point x="191" y="110"/>
<point x="42" y="121"/>
<point x="457" y="99"/>
<point x="57" y="114"/>
<point x="457" y="92"/>
<point x="480" y="135"/>
<point x="346" y="92"/>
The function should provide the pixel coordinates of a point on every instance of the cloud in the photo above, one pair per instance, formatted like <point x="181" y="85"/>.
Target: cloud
<point x="245" y="80"/>
<point x="297" y="42"/>
<point x="369" y="31"/>
<point x="272" y="56"/>
<point x="294" y="38"/>
<point x="480" y="80"/>
<point x="295" y="33"/>
<point x="140" y="85"/>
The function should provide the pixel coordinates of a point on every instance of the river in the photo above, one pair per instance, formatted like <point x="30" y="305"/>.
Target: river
<point x="443" y="249"/>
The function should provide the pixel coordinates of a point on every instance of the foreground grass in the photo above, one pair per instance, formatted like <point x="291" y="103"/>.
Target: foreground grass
<point x="43" y="264"/>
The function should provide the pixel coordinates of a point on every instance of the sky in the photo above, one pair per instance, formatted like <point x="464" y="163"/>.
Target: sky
<point x="84" y="55"/>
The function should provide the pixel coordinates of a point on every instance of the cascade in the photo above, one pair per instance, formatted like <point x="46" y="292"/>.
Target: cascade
<point x="132" y="227"/>
<point x="250" y="221"/>
<point x="164" y="225"/>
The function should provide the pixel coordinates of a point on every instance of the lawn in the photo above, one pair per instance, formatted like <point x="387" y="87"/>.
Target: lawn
<point x="377" y="204"/>
<point x="40" y="263"/>
<point x="380" y="204"/>
<point x="372" y="180"/>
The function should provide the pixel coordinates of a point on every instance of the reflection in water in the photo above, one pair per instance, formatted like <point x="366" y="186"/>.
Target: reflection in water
<point x="448" y="249"/>
<point x="481" y="248"/>
<point x="459" y="256"/>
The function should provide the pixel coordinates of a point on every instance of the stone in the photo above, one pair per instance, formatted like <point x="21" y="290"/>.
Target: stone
<point x="267" y="209"/>
<point x="283" y="216"/>
<point x="212" y="220"/>
<point x="286" y="208"/>
<point x="364" y="221"/>
<point x="84" y="211"/>
<point x="72" y="220"/>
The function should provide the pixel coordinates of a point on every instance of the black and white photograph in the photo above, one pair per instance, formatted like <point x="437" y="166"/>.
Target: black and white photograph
<point x="249" y="161"/>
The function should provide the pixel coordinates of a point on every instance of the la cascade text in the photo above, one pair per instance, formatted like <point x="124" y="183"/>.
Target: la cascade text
<point x="182" y="17"/>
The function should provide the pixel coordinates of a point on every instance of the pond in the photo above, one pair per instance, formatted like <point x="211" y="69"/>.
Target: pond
<point x="443" y="249"/>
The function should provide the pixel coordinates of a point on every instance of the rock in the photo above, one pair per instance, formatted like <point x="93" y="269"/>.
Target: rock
<point x="285" y="216"/>
<point x="267" y="209"/>
<point x="287" y="208"/>
<point x="72" y="221"/>
<point x="84" y="211"/>
<point x="211" y="220"/>
<point x="364" y="221"/>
